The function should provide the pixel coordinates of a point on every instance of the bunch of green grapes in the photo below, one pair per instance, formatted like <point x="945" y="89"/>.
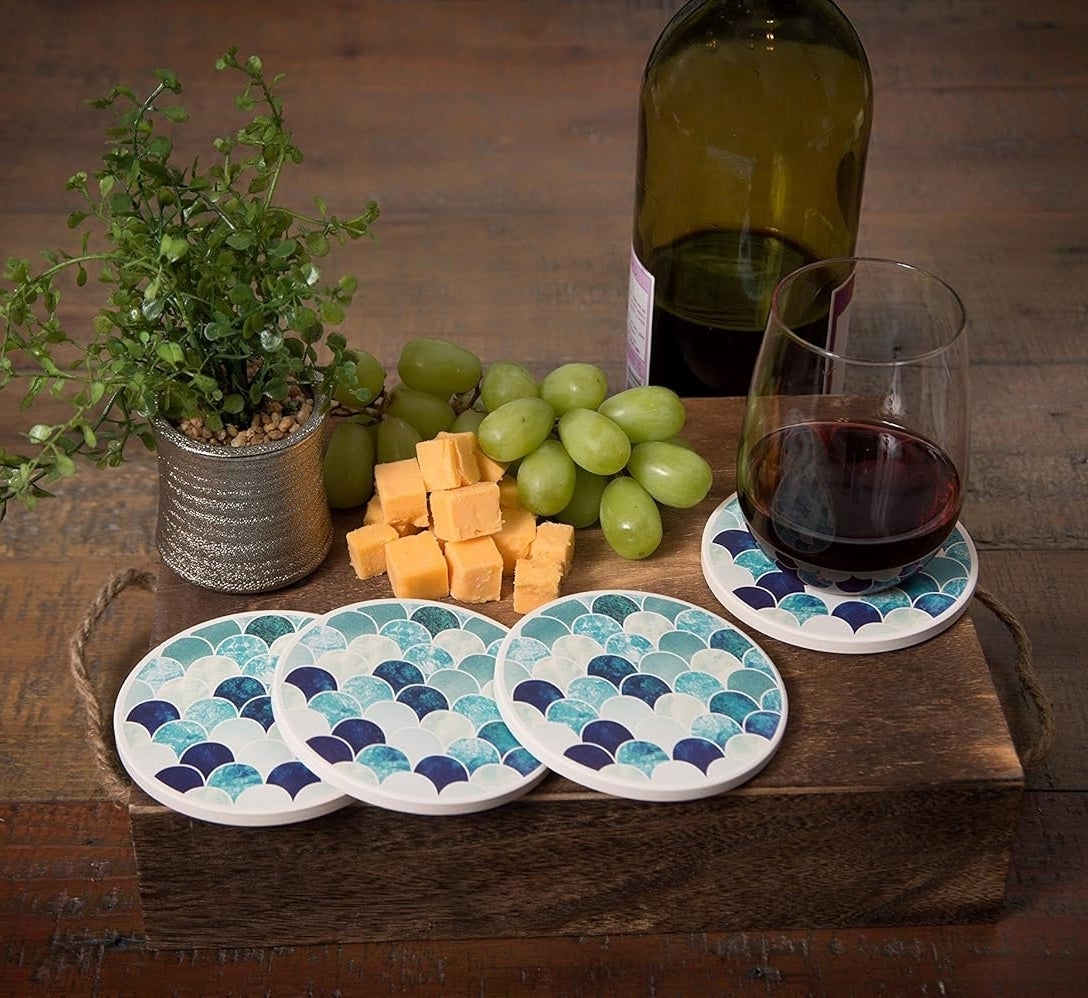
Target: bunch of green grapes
<point x="580" y="456"/>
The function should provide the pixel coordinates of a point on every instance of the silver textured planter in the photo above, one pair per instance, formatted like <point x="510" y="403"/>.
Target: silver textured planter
<point x="245" y="519"/>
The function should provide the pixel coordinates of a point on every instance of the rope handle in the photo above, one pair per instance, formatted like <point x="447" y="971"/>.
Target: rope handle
<point x="118" y="784"/>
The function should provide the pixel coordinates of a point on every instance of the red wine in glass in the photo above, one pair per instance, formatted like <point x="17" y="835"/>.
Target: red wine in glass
<point x="849" y="496"/>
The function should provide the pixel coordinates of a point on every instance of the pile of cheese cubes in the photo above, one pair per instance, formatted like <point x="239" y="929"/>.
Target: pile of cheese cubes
<point x="448" y="523"/>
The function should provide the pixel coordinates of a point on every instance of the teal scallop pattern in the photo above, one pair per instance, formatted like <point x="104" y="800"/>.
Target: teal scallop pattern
<point x="640" y="695"/>
<point x="194" y="725"/>
<point x="392" y="702"/>
<point x="775" y="600"/>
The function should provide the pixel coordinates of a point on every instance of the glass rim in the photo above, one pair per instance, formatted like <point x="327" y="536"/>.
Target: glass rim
<point x="883" y="262"/>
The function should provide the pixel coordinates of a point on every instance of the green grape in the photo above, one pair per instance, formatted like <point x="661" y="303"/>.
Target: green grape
<point x="430" y="414"/>
<point x="672" y="474"/>
<point x="630" y="519"/>
<point x="546" y="479"/>
<point x="469" y="420"/>
<point x="648" y="412"/>
<point x="515" y="428"/>
<point x="397" y="440"/>
<point x="361" y="380"/>
<point x="574" y="386"/>
<point x="584" y="507"/>
<point x="505" y="381"/>
<point x="348" y="466"/>
<point x="594" y="441"/>
<point x="438" y="366"/>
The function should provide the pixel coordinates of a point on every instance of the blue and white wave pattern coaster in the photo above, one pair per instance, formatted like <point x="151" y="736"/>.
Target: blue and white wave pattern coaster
<point x="195" y="730"/>
<point x="640" y="695"/>
<point x="391" y="701"/>
<point x="776" y="602"/>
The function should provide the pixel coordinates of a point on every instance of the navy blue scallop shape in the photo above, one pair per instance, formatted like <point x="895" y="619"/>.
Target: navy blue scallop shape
<point x="423" y="699"/>
<point x="398" y="673"/>
<point x="153" y="714"/>
<point x="781" y="584"/>
<point x="330" y="748"/>
<point x="180" y="778"/>
<point x="854" y="585"/>
<point x="590" y="756"/>
<point x="292" y="776"/>
<point x="240" y="689"/>
<point x="934" y="603"/>
<point x="857" y="614"/>
<point x="441" y="770"/>
<point x="608" y="734"/>
<point x="614" y="668"/>
<point x="697" y="751"/>
<point x="733" y="704"/>
<point x="735" y="541"/>
<point x="538" y="692"/>
<point x="615" y="605"/>
<point x="436" y="619"/>
<point x="731" y="641"/>
<point x="311" y="680"/>
<point x="206" y="756"/>
<point x="645" y="687"/>
<point x="359" y="733"/>
<point x="260" y="710"/>
<point x="521" y="760"/>
<point x="762" y="722"/>
<point x="269" y="627"/>
<point x="756" y="598"/>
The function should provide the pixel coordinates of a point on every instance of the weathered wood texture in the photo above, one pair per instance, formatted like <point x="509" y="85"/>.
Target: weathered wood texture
<point x="499" y="139"/>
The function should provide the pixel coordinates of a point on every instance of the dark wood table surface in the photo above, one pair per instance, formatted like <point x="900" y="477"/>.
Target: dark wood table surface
<point x="499" y="140"/>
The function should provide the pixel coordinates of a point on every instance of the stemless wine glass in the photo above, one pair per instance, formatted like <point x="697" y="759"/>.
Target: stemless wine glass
<point x="853" y="455"/>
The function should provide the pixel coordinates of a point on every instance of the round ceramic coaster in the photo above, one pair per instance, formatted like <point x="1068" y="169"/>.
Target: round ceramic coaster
<point x="640" y="696"/>
<point x="194" y="725"/>
<point x="774" y="601"/>
<point x="391" y="702"/>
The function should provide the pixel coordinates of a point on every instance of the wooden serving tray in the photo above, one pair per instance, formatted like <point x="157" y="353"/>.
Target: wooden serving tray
<point x="893" y="799"/>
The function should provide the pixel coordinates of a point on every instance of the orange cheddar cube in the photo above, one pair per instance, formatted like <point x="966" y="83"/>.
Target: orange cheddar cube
<point x="466" y="512"/>
<point x="475" y="568"/>
<point x="438" y="464"/>
<point x="366" y="548"/>
<point x="490" y="469"/>
<point x="508" y="493"/>
<point x="401" y="492"/>
<point x="373" y="513"/>
<point x="515" y="537"/>
<point x="535" y="582"/>
<point x="466" y="455"/>
<point x="554" y="542"/>
<point x="417" y="567"/>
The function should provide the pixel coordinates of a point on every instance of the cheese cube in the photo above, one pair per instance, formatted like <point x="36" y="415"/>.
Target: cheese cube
<point x="366" y="548"/>
<point x="554" y="542"/>
<point x="490" y="469"/>
<point x="401" y="492"/>
<point x="508" y="493"/>
<point x="416" y="567"/>
<point x="466" y="455"/>
<point x="438" y="464"/>
<point x="515" y="537"/>
<point x="475" y="568"/>
<point x="466" y="512"/>
<point x="535" y="583"/>
<point x="373" y="513"/>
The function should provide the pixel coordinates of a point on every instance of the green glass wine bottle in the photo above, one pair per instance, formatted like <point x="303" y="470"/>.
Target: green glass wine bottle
<point x="752" y="138"/>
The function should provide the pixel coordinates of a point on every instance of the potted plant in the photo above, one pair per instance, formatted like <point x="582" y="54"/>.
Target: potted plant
<point x="213" y="343"/>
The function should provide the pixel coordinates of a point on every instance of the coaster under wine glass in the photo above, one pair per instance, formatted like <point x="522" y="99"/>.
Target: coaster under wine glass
<point x="194" y="726"/>
<point x="640" y="696"/>
<point x="391" y="701"/>
<point x="774" y="601"/>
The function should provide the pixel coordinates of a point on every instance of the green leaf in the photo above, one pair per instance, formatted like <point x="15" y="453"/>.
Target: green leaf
<point x="170" y="353"/>
<point x="240" y="240"/>
<point x="39" y="433"/>
<point x="233" y="404"/>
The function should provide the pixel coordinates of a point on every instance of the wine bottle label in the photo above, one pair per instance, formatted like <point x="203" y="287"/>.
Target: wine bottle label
<point x="640" y="300"/>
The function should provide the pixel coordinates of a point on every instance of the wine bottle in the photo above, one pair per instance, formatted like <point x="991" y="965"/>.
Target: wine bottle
<point x="752" y="137"/>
